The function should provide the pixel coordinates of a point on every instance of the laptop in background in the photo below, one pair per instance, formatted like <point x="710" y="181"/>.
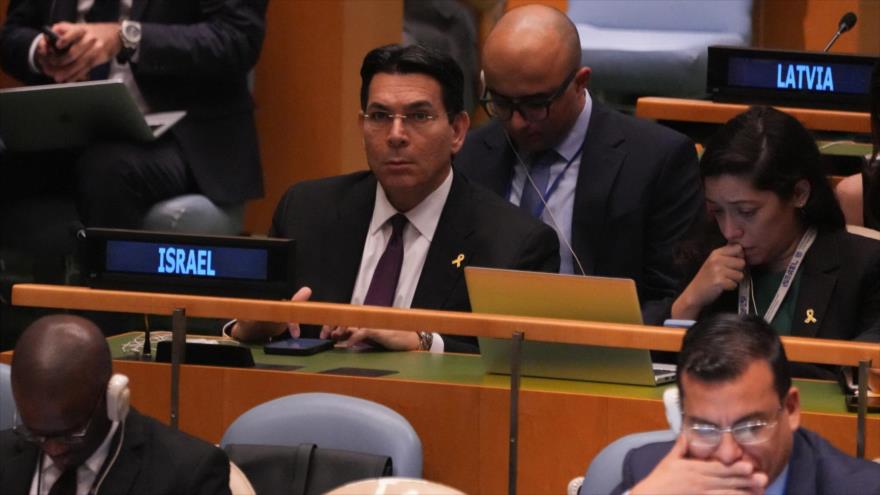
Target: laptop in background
<point x="574" y="297"/>
<point x="56" y="116"/>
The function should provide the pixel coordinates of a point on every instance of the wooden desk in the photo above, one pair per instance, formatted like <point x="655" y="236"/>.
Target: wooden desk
<point x="704" y="111"/>
<point x="459" y="412"/>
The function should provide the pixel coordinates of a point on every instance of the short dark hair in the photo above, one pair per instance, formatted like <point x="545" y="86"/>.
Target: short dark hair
<point x="416" y="59"/>
<point x="774" y="151"/>
<point x="719" y="348"/>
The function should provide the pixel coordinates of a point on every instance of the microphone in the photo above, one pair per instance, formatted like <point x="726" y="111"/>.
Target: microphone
<point x="846" y="23"/>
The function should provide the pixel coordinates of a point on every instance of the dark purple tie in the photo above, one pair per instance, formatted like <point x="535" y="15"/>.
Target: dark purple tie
<point x="384" y="283"/>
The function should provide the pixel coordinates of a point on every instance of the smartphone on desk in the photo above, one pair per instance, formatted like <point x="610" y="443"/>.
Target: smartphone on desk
<point x="298" y="347"/>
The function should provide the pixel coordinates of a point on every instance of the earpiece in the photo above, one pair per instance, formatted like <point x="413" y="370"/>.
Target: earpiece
<point x="118" y="397"/>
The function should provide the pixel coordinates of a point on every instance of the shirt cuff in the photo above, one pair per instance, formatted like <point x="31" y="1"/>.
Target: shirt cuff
<point x="437" y="344"/>
<point x="33" y="49"/>
<point x="227" y="328"/>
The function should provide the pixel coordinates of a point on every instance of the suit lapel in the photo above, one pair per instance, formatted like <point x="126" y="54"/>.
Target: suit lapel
<point x="344" y="240"/>
<point x="20" y="467"/>
<point x="818" y="280"/>
<point x="601" y="160"/>
<point x="495" y="159"/>
<point x="440" y="274"/>
<point x="124" y="472"/>
<point x="801" y="467"/>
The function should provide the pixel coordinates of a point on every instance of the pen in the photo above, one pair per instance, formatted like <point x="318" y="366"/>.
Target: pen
<point x="52" y="38"/>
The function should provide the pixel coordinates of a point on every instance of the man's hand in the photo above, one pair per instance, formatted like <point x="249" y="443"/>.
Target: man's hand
<point x="90" y="45"/>
<point x="723" y="270"/>
<point x="259" y="331"/>
<point x="389" y="339"/>
<point x="678" y="475"/>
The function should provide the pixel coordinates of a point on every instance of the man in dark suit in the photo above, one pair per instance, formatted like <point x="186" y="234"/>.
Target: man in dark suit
<point x="77" y="434"/>
<point x="192" y="55"/>
<point x="741" y="424"/>
<point x="348" y="228"/>
<point x="619" y="191"/>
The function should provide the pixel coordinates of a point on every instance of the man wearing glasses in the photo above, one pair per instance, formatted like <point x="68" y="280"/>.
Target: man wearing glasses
<point x="401" y="234"/>
<point x="741" y="424"/>
<point x="75" y="434"/>
<point x="619" y="191"/>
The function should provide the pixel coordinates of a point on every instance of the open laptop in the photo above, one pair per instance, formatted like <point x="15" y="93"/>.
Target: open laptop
<point x="55" y="116"/>
<point x="574" y="297"/>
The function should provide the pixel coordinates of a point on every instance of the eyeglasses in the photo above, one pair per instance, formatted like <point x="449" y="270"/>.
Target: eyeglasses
<point x="380" y="119"/>
<point x="532" y="109"/>
<point x="750" y="432"/>
<point x="73" y="438"/>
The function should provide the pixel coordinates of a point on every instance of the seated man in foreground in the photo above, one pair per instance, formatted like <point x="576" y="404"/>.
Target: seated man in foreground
<point x="75" y="432"/>
<point x="741" y="424"/>
<point x="401" y="234"/>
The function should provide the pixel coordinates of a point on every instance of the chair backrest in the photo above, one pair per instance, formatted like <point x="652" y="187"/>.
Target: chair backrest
<point x="7" y="402"/>
<point x="331" y="421"/>
<point x="728" y="16"/>
<point x="606" y="470"/>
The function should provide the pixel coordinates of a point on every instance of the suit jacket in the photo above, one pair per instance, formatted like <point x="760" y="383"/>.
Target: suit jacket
<point x="637" y="193"/>
<point x="840" y="283"/>
<point x="154" y="460"/>
<point x="194" y="55"/>
<point x="815" y="467"/>
<point x="329" y="219"/>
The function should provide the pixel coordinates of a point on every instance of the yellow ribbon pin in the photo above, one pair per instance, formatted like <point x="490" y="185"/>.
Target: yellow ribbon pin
<point x="811" y="318"/>
<point x="457" y="261"/>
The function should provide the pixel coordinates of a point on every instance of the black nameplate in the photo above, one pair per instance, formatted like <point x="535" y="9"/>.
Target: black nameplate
<point x="166" y="262"/>
<point x="793" y="78"/>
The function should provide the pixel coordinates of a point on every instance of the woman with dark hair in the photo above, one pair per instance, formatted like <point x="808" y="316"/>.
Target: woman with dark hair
<point x="783" y="252"/>
<point x="860" y="194"/>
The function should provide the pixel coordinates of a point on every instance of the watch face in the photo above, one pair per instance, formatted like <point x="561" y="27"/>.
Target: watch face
<point x="132" y="32"/>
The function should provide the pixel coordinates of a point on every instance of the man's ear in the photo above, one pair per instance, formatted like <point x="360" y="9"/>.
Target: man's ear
<point x="460" y="125"/>
<point x="792" y="405"/>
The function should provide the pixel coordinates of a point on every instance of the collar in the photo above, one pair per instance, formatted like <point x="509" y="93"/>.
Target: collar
<point x="424" y="216"/>
<point x="573" y="141"/>
<point x="96" y="460"/>
<point x="779" y="484"/>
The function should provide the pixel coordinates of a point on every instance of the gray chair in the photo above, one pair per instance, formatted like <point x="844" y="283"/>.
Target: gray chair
<point x="7" y="402"/>
<point x="195" y="214"/>
<point x="656" y="47"/>
<point x="331" y="421"/>
<point x="606" y="470"/>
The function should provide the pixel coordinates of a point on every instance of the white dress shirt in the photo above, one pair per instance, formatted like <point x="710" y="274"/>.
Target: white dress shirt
<point x="560" y="204"/>
<point x="85" y="475"/>
<point x="417" y="236"/>
<point x="119" y="72"/>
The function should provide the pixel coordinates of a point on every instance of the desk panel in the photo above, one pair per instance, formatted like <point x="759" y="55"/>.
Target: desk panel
<point x="460" y="414"/>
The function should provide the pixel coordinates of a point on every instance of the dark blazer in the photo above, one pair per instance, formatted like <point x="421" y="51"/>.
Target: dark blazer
<point x="195" y="55"/>
<point x="840" y="282"/>
<point x="154" y="460"/>
<point x="329" y="219"/>
<point x="637" y="193"/>
<point x="816" y="467"/>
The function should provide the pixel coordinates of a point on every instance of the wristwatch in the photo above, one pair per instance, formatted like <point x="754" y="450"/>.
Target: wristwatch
<point x="425" y="341"/>
<point x="130" y="35"/>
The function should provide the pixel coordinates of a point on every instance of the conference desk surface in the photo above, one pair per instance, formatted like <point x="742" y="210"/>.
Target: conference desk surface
<point x="706" y="111"/>
<point x="460" y="413"/>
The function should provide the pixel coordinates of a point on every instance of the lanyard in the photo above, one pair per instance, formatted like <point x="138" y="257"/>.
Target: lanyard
<point x="745" y="287"/>
<point x="539" y="209"/>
